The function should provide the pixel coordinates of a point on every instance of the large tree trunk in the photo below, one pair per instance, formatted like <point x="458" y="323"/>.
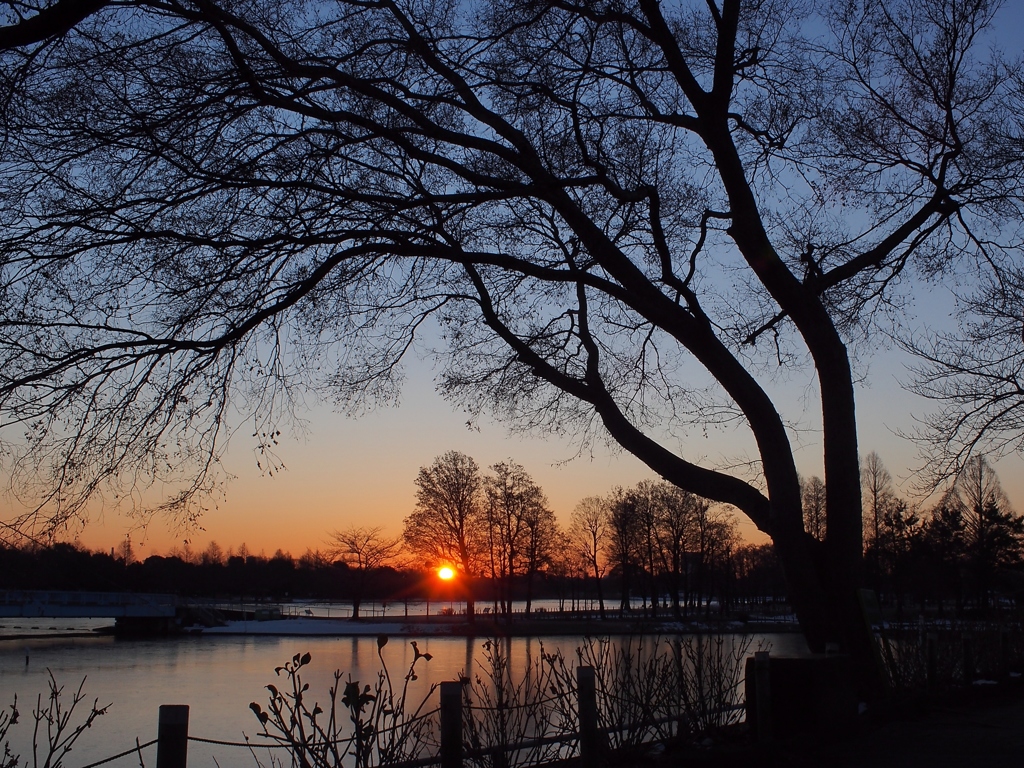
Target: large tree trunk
<point x="828" y="607"/>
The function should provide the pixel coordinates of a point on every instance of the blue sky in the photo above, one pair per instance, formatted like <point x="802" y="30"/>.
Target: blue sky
<point x="343" y="471"/>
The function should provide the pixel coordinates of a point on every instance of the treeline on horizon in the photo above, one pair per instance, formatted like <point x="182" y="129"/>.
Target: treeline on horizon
<point x="67" y="566"/>
<point x="673" y="551"/>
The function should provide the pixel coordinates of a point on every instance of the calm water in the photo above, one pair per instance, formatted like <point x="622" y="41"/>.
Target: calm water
<point x="218" y="677"/>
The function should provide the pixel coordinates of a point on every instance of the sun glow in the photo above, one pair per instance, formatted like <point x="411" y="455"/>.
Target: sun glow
<point x="445" y="574"/>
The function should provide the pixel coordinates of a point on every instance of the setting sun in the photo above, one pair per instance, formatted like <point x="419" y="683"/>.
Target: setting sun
<point x="445" y="574"/>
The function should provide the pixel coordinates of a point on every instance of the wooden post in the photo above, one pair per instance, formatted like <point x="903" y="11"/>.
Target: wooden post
<point x="172" y="736"/>
<point x="968" y="659"/>
<point x="590" y="736"/>
<point x="451" y="725"/>
<point x="931" y="658"/>
<point x="763" y="686"/>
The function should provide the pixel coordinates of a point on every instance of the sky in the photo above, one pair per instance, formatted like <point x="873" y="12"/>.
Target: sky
<point x="360" y="472"/>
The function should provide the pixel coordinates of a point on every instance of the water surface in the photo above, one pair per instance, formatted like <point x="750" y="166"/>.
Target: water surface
<point x="219" y="676"/>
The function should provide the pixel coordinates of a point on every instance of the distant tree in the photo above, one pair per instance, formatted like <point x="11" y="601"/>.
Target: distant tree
<point x="993" y="535"/>
<point x="647" y="507"/>
<point x="813" y="496"/>
<point x="891" y="528"/>
<point x="541" y="535"/>
<point x="509" y="492"/>
<point x="185" y="553"/>
<point x="447" y="525"/>
<point x="661" y="536"/>
<point x="759" y="573"/>
<point x="678" y="513"/>
<point x="715" y="541"/>
<point x="589" y="532"/>
<point x="125" y="552"/>
<point x="570" y="569"/>
<point x="521" y="530"/>
<point x="624" y="545"/>
<point x="363" y="550"/>
<point x="895" y="546"/>
<point x="877" y="490"/>
<point x="212" y="555"/>
<point x="314" y="559"/>
<point x="943" y="544"/>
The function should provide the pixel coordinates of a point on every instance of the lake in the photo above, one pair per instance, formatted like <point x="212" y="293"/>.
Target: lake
<point x="219" y="676"/>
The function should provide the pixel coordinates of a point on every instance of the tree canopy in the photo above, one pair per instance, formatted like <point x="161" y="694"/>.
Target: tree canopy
<point x="623" y="217"/>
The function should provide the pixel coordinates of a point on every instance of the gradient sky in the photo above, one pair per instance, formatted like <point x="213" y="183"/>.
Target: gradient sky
<point x="345" y="472"/>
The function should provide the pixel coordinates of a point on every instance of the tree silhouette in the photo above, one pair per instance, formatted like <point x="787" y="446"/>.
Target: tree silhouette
<point x="623" y="216"/>
<point x="991" y="536"/>
<point x="878" y="493"/>
<point x="588" y="532"/>
<point x="520" y="529"/>
<point x="50" y="20"/>
<point x="447" y="526"/>
<point x="363" y="550"/>
<point x="814" y="498"/>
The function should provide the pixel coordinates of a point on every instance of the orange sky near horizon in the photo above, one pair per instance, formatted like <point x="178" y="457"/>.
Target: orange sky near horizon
<point x="361" y="471"/>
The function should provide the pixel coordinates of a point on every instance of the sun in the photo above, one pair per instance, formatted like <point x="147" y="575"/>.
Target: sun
<point x="445" y="574"/>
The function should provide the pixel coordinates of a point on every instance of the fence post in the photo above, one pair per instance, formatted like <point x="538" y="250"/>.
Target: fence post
<point x="451" y="725"/>
<point x="590" y="736"/>
<point x="931" y="658"/>
<point x="763" y="687"/>
<point x="172" y="736"/>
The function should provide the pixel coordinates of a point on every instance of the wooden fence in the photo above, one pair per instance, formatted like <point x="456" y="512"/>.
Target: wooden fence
<point x="592" y="740"/>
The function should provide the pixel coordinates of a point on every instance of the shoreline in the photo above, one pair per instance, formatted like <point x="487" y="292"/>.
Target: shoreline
<point x="486" y="627"/>
<point x="435" y="627"/>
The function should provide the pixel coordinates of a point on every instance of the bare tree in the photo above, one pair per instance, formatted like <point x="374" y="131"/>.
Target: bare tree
<point x="363" y="550"/>
<point x="625" y="546"/>
<point x="511" y="498"/>
<point x="877" y="484"/>
<point x="714" y="540"/>
<point x="646" y="509"/>
<point x="678" y="514"/>
<point x="542" y="536"/>
<point x="212" y="555"/>
<point x="570" y="569"/>
<point x="814" y="497"/>
<point x="447" y="526"/>
<point x="975" y="373"/>
<point x="605" y="205"/>
<point x="589" y="530"/>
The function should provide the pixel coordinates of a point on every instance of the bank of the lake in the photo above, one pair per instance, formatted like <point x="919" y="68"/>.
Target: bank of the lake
<point x="458" y="626"/>
<point x="218" y="675"/>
